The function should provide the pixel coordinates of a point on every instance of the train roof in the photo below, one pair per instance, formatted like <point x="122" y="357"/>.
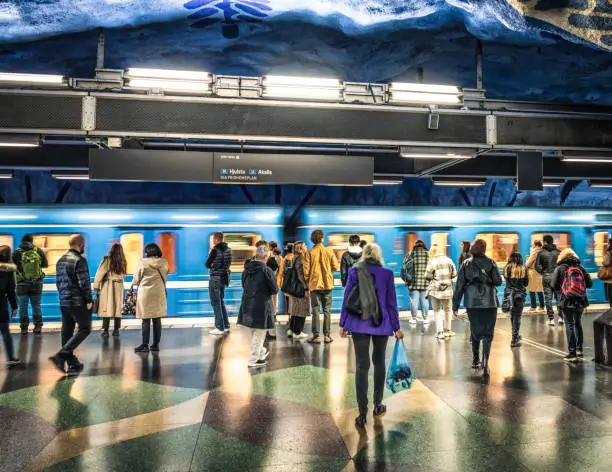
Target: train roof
<point x="139" y="216"/>
<point x="452" y="217"/>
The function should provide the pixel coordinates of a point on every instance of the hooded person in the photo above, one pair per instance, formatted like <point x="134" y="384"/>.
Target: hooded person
<point x="350" y="257"/>
<point x="256" y="310"/>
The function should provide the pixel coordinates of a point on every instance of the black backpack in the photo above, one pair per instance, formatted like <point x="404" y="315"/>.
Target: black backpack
<point x="291" y="282"/>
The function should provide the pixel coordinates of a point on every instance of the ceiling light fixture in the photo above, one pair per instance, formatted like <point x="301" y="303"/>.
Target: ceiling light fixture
<point x="600" y="183"/>
<point x="588" y="159"/>
<point x="42" y="79"/>
<point x="6" y="175"/>
<point x="420" y="152"/>
<point x="424" y="93"/>
<point x="597" y="157"/>
<point x="387" y="182"/>
<point x="169" y="80"/>
<point x="70" y="176"/>
<point x="448" y="182"/>
<point x="19" y="140"/>
<point x="188" y="75"/>
<point x="278" y="86"/>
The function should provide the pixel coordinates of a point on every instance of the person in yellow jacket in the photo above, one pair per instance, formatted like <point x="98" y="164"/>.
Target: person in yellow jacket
<point x="320" y="263"/>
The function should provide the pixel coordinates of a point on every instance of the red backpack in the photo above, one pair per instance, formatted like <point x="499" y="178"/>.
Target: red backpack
<point x="574" y="285"/>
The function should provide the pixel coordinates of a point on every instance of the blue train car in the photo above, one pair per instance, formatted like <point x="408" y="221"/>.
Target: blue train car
<point x="183" y="233"/>
<point x="505" y="230"/>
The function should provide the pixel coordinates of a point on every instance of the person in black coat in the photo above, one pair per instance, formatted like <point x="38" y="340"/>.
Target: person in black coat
<point x="477" y="283"/>
<point x="572" y="307"/>
<point x="517" y="279"/>
<point x="218" y="264"/>
<point x="350" y="257"/>
<point x="8" y="297"/>
<point x="256" y="310"/>
<point x="545" y="265"/>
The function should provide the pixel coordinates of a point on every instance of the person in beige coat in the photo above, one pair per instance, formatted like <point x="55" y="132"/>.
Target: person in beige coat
<point x="108" y="285"/>
<point x="151" y="305"/>
<point x="536" y="286"/>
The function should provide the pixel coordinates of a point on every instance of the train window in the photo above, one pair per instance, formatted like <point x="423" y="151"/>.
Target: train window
<point x="54" y="246"/>
<point x="243" y="248"/>
<point x="440" y="240"/>
<point x="601" y="240"/>
<point x="167" y="244"/>
<point x="339" y="242"/>
<point x="562" y="240"/>
<point x="411" y="238"/>
<point x="133" y="247"/>
<point x="500" y="246"/>
<point x="6" y="240"/>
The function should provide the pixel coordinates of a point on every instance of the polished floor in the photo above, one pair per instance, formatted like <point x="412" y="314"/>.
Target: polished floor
<point x="196" y="407"/>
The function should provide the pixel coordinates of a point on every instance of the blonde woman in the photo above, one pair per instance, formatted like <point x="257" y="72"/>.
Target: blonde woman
<point x="517" y="280"/>
<point x="108" y="285"/>
<point x="440" y="274"/>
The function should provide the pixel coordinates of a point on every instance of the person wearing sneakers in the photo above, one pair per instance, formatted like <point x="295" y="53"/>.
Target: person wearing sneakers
<point x="378" y="319"/>
<point x="418" y="259"/>
<point x="535" y="287"/>
<point x="440" y="273"/>
<point x="30" y="261"/>
<point x="8" y="301"/>
<point x="320" y="263"/>
<point x="517" y="279"/>
<point x="571" y="281"/>
<point x="299" y="308"/>
<point x="545" y="265"/>
<point x="218" y="265"/>
<point x="259" y="284"/>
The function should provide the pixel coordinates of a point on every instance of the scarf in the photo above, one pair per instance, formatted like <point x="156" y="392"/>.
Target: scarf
<point x="367" y="293"/>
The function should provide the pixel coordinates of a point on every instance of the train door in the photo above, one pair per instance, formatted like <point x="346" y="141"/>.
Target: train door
<point x="598" y="241"/>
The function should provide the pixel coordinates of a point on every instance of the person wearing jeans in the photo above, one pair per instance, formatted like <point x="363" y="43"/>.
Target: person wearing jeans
<point x="517" y="279"/>
<point x="418" y="258"/>
<point x="545" y="265"/>
<point x="320" y="263"/>
<point x="76" y="302"/>
<point x="218" y="264"/>
<point x="440" y="274"/>
<point x="379" y="320"/>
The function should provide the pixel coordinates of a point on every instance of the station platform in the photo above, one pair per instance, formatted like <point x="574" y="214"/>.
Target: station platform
<point x="195" y="406"/>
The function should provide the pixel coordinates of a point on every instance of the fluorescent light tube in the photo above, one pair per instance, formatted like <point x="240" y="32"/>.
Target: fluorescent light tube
<point x="552" y="184"/>
<point x="418" y="155"/>
<point x="16" y="144"/>
<point x="168" y="74"/>
<point x="19" y="140"/>
<point x="458" y="183"/>
<point x="170" y="85"/>
<point x="302" y="93"/>
<point x="405" y="87"/>
<point x="32" y="78"/>
<point x="600" y="184"/>
<point x="607" y="160"/>
<point x="301" y="81"/>
<point x="69" y="176"/>
<point x="429" y="98"/>
<point x="6" y="175"/>
<point x="387" y="181"/>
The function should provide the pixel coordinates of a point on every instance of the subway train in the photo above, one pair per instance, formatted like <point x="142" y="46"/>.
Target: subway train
<point x="184" y="234"/>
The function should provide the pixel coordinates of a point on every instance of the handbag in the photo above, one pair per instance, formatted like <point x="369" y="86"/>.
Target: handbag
<point x="96" y="304"/>
<point x="291" y="282"/>
<point x="508" y="301"/>
<point x="353" y="302"/>
<point x="604" y="273"/>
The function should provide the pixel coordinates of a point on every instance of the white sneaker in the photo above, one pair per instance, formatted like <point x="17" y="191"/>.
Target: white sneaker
<point x="441" y="335"/>
<point x="265" y="355"/>
<point x="532" y="310"/>
<point x="551" y="322"/>
<point x="217" y="332"/>
<point x="426" y="321"/>
<point x="412" y="321"/>
<point x="449" y="334"/>
<point x="300" y="336"/>
<point x="419" y="319"/>
<point x="289" y="333"/>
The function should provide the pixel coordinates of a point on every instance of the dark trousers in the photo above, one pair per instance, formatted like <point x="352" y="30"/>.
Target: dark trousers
<point x="321" y="299"/>
<point x="608" y="291"/>
<point x="361" y="342"/>
<point x="106" y="324"/>
<point x="482" y="328"/>
<point x="296" y="324"/>
<point x="549" y="293"/>
<point x="602" y="332"/>
<point x="573" y="328"/>
<point x="8" y="340"/>
<point x="532" y="299"/>
<point x="216" y="289"/>
<point x="515" y="315"/>
<point x="146" y="331"/>
<point x="72" y="317"/>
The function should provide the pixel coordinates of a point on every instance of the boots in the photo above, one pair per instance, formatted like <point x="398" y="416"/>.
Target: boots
<point x="105" y="325"/>
<point x="117" y="327"/>
<point x="486" y="352"/>
<point x="475" y="354"/>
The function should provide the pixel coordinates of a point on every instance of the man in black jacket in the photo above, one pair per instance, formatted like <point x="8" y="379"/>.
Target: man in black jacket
<point x="218" y="265"/>
<point x="350" y="257"/>
<point x="545" y="265"/>
<point x="76" y="302"/>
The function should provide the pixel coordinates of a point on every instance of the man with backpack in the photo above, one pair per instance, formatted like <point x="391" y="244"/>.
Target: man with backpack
<point x="571" y="281"/>
<point x="546" y="262"/>
<point x="30" y="261"/>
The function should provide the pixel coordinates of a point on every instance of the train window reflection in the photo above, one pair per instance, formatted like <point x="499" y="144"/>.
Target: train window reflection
<point x="133" y="247"/>
<point x="54" y="246"/>
<point x="339" y="242"/>
<point x="167" y="244"/>
<point x="6" y="240"/>
<point x="242" y="246"/>
<point x="562" y="240"/>
<point x="500" y="246"/>
<point x="440" y="240"/>
<point x="601" y="240"/>
<point x="411" y="238"/>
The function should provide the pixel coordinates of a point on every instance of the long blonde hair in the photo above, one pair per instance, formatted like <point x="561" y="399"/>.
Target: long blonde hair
<point x="567" y="252"/>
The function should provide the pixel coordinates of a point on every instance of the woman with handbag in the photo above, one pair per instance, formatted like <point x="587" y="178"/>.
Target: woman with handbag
<point x="605" y="273"/>
<point x="299" y="307"/>
<point x="151" y="305"/>
<point x="108" y="286"/>
<point x="477" y="282"/>
<point x="369" y="313"/>
<point x="515" y="293"/>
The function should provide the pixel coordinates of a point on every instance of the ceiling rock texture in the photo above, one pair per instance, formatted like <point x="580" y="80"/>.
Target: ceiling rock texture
<point x="546" y="50"/>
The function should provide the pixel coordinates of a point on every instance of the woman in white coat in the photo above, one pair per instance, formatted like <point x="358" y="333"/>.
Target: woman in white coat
<point x="108" y="285"/>
<point x="151" y="306"/>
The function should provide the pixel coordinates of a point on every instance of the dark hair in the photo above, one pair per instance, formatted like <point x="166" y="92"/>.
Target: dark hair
<point x="261" y="242"/>
<point x="516" y="259"/>
<point x="609" y="244"/>
<point x="27" y="238"/>
<point x="153" y="250"/>
<point x="219" y="236"/>
<point x="515" y="268"/>
<point x="419" y="243"/>
<point x="317" y="236"/>
<point x="354" y="239"/>
<point x="548" y="239"/>
<point x="5" y="254"/>
<point x="277" y="251"/>
<point x="478" y="247"/>
<point x="363" y="244"/>
<point x="465" y="246"/>
<point x="273" y="245"/>
<point x="116" y="259"/>
<point x="289" y="248"/>
<point x="537" y="243"/>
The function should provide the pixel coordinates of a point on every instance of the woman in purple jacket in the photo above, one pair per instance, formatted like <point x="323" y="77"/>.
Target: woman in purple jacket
<point x="378" y="321"/>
